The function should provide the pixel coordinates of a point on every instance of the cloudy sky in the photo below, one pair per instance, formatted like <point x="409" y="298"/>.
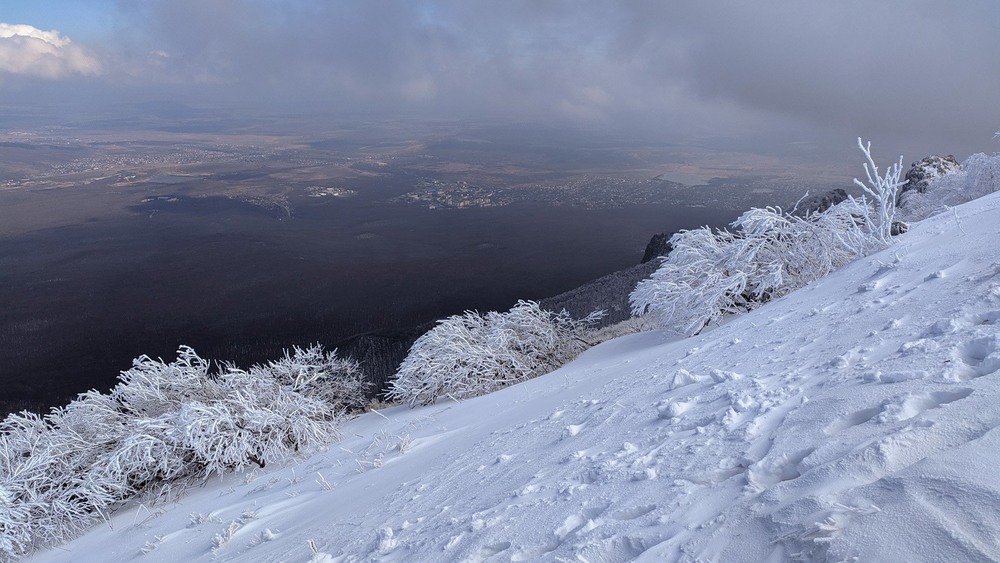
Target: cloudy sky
<point x="917" y="76"/>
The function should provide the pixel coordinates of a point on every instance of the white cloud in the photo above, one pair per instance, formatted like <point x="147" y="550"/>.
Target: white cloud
<point x="30" y="51"/>
<point x="53" y="37"/>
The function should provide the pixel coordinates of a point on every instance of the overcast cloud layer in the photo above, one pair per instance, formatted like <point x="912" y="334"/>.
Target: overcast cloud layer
<point x="922" y="76"/>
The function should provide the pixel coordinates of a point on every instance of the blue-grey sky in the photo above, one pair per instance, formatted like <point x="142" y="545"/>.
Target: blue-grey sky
<point x="915" y="76"/>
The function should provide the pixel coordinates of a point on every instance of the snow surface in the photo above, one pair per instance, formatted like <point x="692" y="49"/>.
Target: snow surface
<point x="854" y="418"/>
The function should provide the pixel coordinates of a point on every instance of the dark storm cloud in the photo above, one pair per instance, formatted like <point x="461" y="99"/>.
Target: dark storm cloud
<point x="898" y="69"/>
<point x="906" y="72"/>
<point x="521" y="60"/>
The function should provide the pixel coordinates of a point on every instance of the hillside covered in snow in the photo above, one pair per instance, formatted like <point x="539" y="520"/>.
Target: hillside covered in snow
<point x="853" y="418"/>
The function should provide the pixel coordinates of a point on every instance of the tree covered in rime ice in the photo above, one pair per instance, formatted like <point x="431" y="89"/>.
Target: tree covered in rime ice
<point x="319" y="374"/>
<point x="977" y="176"/>
<point x="710" y="274"/>
<point x="61" y="473"/>
<point x="474" y="354"/>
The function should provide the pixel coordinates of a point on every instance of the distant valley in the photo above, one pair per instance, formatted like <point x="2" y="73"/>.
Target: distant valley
<point x="117" y="243"/>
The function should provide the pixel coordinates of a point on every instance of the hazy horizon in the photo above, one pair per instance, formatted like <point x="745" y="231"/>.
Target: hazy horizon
<point x="781" y="77"/>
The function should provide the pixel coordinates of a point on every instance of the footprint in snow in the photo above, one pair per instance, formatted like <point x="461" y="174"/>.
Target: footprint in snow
<point x="628" y="448"/>
<point x="935" y="275"/>
<point x="919" y="346"/>
<point x="840" y="362"/>
<point x="647" y="474"/>
<point x="943" y="327"/>
<point x="868" y="287"/>
<point x="895" y="376"/>
<point x="673" y="408"/>
<point x="981" y="356"/>
<point x="777" y="469"/>
<point x="910" y="406"/>
<point x="529" y="490"/>
<point x="581" y="523"/>
<point x="488" y="551"/>
<point x="615" y="548"/>
<point x="984" y="318"/>
<point x="385" y="541"/>
<point x="894" y="324"/>
<point x="854" y="419"/>
<point x="533" y="553"/>
<point x="683" y="377"/>
<point x="633" y="512"/>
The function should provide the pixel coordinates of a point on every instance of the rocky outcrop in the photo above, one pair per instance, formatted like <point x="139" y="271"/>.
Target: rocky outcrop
<point x="819" y="202"/>
<point x="658" y="246"/>
<point x="922" y="172"/>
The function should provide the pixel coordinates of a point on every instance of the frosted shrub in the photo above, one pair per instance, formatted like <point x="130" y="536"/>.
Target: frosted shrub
<point x="259" y="421"/>
<point x="234" y="418"/>
<point x="46" y="491"/>
<point x="149" y="452"/>
<point x="23" y="483"/>
<point x="151" y="387"/>
<point x="15" y="534"/>
<point x="982" y="173"/>
<point x="63" y="472"/>
<point x="712" y="274"/>
<point x="321" y="375"/>
<point x="472" y="354"/>
<point x="978" y="176"/>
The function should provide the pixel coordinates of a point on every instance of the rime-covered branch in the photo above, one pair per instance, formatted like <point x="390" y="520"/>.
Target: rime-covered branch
<point x="883" y="190"/>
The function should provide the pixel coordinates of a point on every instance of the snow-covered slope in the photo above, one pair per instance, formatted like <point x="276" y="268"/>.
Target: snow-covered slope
<point x="853" y="418"/>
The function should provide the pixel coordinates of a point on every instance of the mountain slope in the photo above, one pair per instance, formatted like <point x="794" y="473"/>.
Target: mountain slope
<point x="855" y="417"/>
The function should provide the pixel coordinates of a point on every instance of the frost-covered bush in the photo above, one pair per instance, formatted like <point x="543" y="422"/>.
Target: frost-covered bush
<point x="50" y="477"/>
<point x="472" y="354"/>
<point x="982" y="173"/>
<point x="62" y="472"/>
<point x="319" y="374"/>
<point x="27" y="499"/>
<point x="151" y="387"/>
<point x="710" y="274"/>
<point x="978" y="176"/>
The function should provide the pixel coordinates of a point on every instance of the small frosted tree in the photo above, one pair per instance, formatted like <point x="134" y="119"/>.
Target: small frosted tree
<point x="978" y="176"/>
<point x="883" y="189"/>
<point x="472" y="354"/>
<point x="711" y="274"/>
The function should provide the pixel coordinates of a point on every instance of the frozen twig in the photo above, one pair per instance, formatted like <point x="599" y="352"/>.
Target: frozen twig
<point x="883" y="189"/>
